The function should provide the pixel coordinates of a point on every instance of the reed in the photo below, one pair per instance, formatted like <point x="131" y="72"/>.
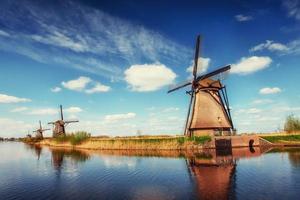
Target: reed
<point x="123" y="143"/>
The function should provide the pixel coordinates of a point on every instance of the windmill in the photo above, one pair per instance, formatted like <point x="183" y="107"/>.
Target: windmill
<point x="59" y="125"/>
<point x="39" y="132"/>
<point x="209" y="111"/>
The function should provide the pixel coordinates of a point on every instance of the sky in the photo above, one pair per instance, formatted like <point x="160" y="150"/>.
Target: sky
<point x="110" y="64"/>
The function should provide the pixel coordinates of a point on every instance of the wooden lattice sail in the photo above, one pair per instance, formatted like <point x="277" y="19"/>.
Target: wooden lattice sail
<point x="209" y="111"/>
<point x="59" y="125"/>
<point x="39" y="131"/>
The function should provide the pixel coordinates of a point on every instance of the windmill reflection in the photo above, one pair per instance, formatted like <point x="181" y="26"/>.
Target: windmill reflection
<point x="294" y="158"/>
<point x="214" y="171"/>
<point x="36" y="149"/>
<point x="59" y="156"/>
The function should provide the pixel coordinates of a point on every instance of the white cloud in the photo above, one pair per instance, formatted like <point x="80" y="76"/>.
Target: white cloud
<point x="243" y="18"/>
<point x="270" y="45"/>
<point x="56" y="38"/>
<point x="292" y="47"/>
<point x="77" y="84"/>
<point x="148" y="77"/>
<point x="248" y="111"/>
<point x="293" y="8"/>
<point x="55" y="89"/>
<point x="268" y="90"/>
<point x="3" y="33"/>
<point x="54" y="111"/>
<point x="19" y="109"/>
<point x="98" y="88"/>
<point x="12" y="99"/>
<point x="43" y="111"/>
<point x="73" y="110"/>
<point x="82" y="83"/>
<point x="203" y="64"/>
<point x="250" y="65"/>
<point x="171" y="109"/>
<point x="253" y="111"/>
<point x="262" y="101"/>
<point x="14" y="128"/>
<point x="118" y="117"/>
<point x="59" y="39"/>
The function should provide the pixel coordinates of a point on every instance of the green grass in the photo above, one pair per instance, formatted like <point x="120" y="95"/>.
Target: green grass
<point x="195" y="139"/>
<point x="74" y="138"/>
<point x="179" y="140"/>
<point x="280" y="138"/>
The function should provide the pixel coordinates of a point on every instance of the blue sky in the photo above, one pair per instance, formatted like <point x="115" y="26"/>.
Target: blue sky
<point x="110" y="64"/>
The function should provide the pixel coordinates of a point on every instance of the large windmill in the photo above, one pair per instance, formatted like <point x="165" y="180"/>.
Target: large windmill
<point x="39" y="132"/>
<point x="209" y="111"/>
<point x="59" y="125"/>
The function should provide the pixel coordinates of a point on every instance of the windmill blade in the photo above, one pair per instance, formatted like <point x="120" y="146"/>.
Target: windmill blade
<point x="178" y="86"/>
<point x="34" y="131"/>
<point x="71" y="121"/>
<point x="40" y="124"/>
<point x="221" y="76"/>
<point x="188" y="113"/>
<point x="51" y="122"/>
<point x="61" y="113"/>
<point x="47" y="129"/>
<point x="214" y="73"/>
<point x="196" y="57"/>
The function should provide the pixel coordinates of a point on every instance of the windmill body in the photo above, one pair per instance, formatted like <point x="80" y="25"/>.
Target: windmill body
<point x="209" y="111"/>
<point x="59" y="125"/>
<point x="210" y="114"/>
<point x="39" y="131"/>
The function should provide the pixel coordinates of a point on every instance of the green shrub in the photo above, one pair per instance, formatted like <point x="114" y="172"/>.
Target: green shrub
<point x="181" y="140"/>
<point x="79" y="137"/>
<point x="195" y="139"/>
<point x="74" y="138"/>
<point x="292" y="124"/>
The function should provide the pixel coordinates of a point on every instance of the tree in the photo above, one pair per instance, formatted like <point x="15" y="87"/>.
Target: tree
<point x="292" y="124"/>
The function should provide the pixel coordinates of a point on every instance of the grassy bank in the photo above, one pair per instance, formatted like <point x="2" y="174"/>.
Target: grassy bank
<point x="283" y="139"/>
<point x="127" y="143"/>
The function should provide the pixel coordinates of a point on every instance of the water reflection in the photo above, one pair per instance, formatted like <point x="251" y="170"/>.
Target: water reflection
<point x="294" y="158"/>
<point x="58" y="156"/>
<point x="206" y="174"/>
<point x="36" y="148"/>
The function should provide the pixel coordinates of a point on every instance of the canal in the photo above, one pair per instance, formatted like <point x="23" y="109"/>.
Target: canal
<point x="31" y="172"/>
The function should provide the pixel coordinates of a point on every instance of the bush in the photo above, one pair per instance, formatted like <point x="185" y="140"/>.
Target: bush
<point x="292" y="124"/>
<point x="74" y="138"/>
<point x="79" y="137"/>
<point x="195" y="139"/>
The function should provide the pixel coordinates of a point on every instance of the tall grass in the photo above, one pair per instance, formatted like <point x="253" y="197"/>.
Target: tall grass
<point x="74" y="138"/>
<point x="292" y="124"/>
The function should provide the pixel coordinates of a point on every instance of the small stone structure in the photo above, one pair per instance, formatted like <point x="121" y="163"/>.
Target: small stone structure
<point x="236" y="141"/>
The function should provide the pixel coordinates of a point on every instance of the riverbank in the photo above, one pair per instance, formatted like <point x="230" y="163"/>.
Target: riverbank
<point x="283" y="139"/>
<point x="167" y="142"/>
<point x="133" y="143"/>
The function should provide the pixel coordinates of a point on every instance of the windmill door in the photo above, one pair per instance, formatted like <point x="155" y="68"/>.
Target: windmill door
<point x="223" y="143"/>
<point x="223" y="147"/>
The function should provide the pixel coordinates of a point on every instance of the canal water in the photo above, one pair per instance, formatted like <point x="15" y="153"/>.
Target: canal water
<point x="30" y="172"/>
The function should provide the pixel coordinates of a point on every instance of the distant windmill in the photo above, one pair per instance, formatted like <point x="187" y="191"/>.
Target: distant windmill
<point x="39" y="132"/>
<point x="209" y="111"/>
<point x="59" y="125"/>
